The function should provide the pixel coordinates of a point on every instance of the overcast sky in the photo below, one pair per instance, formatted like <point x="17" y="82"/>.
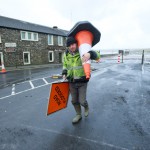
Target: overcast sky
<point x="122" y="23"/>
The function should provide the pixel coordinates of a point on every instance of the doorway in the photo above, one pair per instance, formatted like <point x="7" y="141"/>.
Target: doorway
<point x="1" y="55"/>
<point x="60" y="57"/>
<point x="26" y="58"/>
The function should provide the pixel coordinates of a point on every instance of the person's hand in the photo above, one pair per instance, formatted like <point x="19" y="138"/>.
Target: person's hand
<point x="86" y="57"/>
<point x="64" y="77"/>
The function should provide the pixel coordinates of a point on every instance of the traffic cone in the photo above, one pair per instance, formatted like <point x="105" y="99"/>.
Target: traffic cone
<point x="3" y="69"/>
<point x="87" y="36"/>
<point x="85" y="39"/>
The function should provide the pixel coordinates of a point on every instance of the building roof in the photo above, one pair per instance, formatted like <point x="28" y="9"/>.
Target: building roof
<point x="27" y="26"/>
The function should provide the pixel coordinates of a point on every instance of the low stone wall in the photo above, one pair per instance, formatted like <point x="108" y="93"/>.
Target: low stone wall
<point x="107" y="55"/>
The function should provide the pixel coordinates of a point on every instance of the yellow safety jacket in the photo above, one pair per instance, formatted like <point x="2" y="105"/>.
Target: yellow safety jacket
<point x="72" y="66"/>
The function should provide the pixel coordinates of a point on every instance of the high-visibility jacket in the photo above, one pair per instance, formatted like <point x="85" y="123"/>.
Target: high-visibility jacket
<point x="72" y="66"/>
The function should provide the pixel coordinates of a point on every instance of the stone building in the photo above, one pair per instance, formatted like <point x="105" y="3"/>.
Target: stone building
<point x="24" y="43"/>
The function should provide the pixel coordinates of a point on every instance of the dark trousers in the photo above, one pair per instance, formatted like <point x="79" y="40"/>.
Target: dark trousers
<point x="78" y="93"/>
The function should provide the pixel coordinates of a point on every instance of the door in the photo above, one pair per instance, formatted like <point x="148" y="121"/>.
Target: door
<point x="60" y="57"/>
<point x="63" y="56"/>
<point x="1" y="55"/>
<point x="26" y="58"/>
<point x="51" y="56"/>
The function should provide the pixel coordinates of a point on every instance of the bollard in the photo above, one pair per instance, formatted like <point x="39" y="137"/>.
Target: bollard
<point x="142" y="58"/>
<point x="119" y="58"/>
<point x="122" y="56"/>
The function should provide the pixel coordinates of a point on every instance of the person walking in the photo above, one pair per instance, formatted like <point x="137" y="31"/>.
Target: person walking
<point x="73" y="71"/>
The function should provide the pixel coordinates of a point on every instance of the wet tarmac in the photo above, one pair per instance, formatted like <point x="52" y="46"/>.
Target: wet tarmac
<point x="18" y="76"/>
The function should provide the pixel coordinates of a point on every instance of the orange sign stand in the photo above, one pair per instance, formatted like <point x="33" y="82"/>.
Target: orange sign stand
<point x="58" y="99"/>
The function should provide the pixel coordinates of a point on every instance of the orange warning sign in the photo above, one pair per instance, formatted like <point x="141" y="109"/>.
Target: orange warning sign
<point x="58" y="99"/>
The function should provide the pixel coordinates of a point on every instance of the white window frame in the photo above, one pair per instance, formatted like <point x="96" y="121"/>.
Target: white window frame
<point x="52" y="39"/>
<point x="60" y="44"/>
<point x="52" y="56"/>
<point x="29" y="59"/>
<point x="26" y="36"/>
<point x="36" y="35"/>
<point x="0" y="38"/>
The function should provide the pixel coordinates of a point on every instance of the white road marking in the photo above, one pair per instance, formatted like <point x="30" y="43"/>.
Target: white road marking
<point x="45" y="81"/>
<point x="28" y="90"/>
<point x="77" y="137"/>
<point x="13" y="89"/>
<point x="36" y="79"/>
<point x="32" y="86"/>
<point x="95" y="73"/>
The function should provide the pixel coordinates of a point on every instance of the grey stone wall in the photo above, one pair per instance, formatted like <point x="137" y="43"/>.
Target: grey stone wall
<point x="38" y="49"/>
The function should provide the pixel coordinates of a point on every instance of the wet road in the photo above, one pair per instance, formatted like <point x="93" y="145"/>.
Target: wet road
<point x="119" y="100"/>
<point x="13" y="77"/>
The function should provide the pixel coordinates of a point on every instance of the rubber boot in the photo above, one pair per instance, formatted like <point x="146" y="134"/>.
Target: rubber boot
<point x="86" y="111"/>
<point x="78" y="116"/>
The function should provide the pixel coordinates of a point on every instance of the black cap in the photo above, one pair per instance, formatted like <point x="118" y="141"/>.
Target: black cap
<point x="70" y="40"/>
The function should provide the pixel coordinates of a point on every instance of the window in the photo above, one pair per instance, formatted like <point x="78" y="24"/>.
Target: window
<point x="60" y="40"/>
<point x="29" y="36"/>
<point x="35" y="36"/>
<point x="0" y="39"/>
<point x="50" y="39"/>
<point x="51" y="56"/>
<point x="23" y="35"/>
